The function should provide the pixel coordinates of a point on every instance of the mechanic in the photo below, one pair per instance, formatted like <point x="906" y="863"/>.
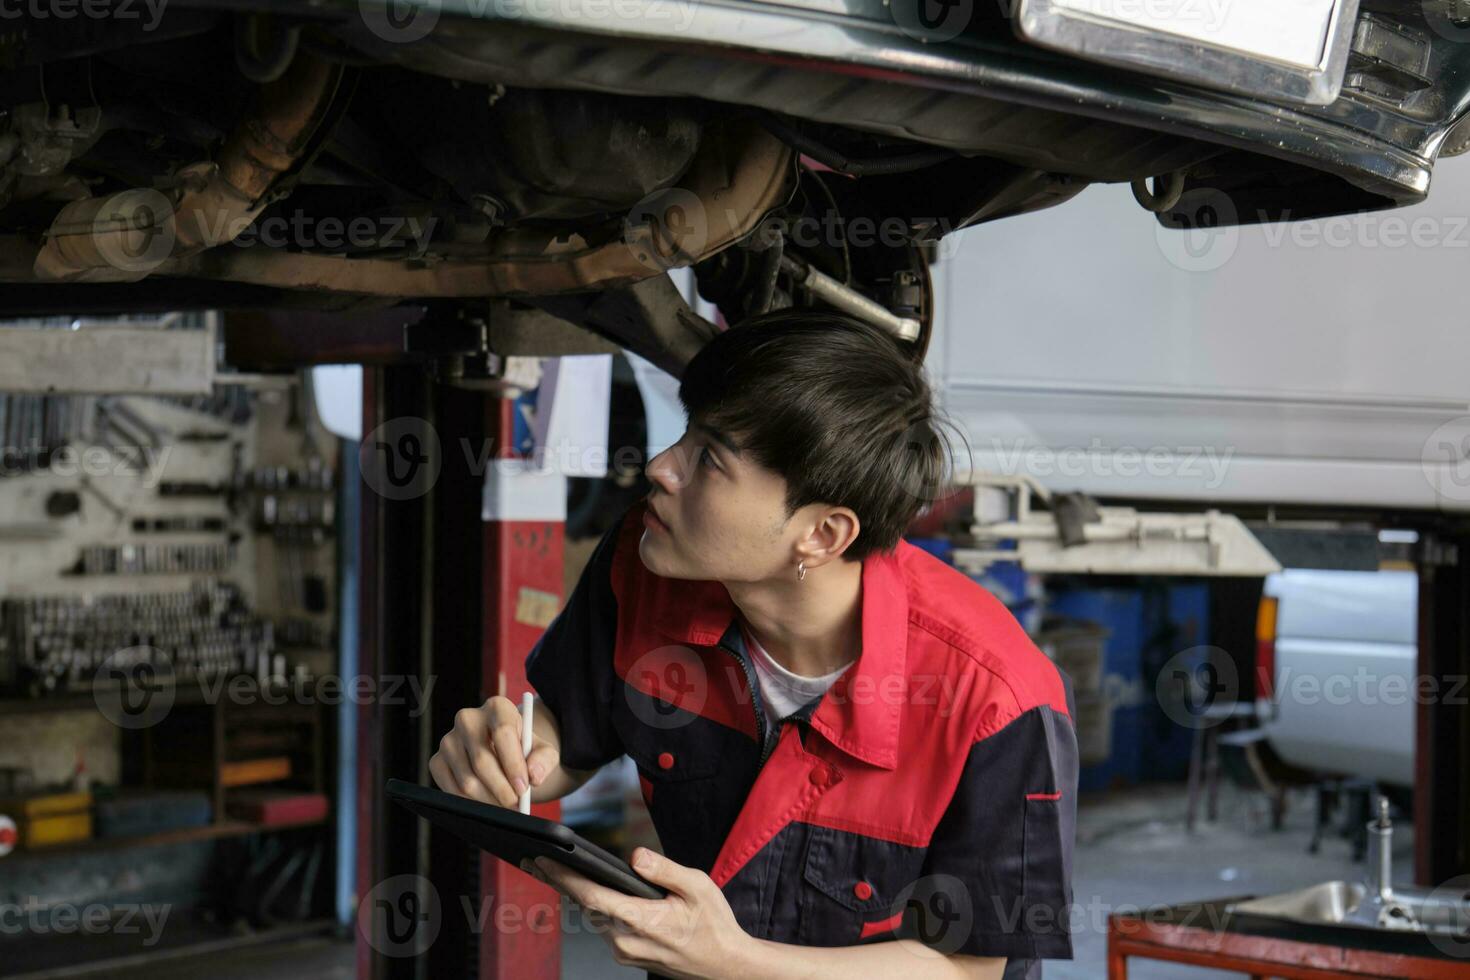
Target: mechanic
<point x="857" y="762"/>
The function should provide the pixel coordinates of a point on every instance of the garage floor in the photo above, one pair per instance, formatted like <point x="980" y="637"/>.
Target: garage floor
<point x="1132" y="850"/>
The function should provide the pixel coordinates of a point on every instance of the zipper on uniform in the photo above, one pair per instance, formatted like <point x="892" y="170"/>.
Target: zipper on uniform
<point x="768" y="744"/>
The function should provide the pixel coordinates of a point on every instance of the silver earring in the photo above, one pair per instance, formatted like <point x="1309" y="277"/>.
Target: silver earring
<point x="800" y="570"/>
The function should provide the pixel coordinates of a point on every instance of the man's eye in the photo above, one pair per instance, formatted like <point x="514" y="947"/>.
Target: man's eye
<point x="706" y="458"/>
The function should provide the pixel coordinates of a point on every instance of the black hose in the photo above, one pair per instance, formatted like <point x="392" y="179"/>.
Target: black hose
<point x="770" y="270"/>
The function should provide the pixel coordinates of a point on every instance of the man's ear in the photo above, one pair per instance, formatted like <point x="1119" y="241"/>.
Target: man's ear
<point x="834" y="532"/>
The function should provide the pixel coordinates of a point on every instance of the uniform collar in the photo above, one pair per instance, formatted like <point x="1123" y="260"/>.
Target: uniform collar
<point x="860" y="714"/>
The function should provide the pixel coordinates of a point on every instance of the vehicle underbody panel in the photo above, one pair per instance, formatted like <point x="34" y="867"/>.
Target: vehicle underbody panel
<point x="566" y="149"/>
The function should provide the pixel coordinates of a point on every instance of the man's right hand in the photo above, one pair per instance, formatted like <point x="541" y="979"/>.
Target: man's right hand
<point x="480" y="757"/>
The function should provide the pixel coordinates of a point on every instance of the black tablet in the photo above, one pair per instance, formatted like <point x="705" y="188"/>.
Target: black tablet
<point x="512" y="836"/>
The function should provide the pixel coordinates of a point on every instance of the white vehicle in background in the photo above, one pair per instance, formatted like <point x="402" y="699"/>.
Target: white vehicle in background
<point x="1339" y="652"/>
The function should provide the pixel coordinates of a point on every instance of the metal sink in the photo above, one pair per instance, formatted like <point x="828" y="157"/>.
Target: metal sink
<point x="1330" y="903"/>
<point x="1341" y="903"/>
<point x="1374" y="904"/>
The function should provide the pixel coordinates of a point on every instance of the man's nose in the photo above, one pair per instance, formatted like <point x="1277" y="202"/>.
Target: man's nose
<point x="665" y="470"/>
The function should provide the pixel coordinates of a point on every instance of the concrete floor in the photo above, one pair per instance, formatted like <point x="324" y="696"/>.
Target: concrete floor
<point x="1132" y="850"/>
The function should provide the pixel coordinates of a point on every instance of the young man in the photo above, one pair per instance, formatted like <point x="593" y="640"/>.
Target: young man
<point x="857" y="762"/>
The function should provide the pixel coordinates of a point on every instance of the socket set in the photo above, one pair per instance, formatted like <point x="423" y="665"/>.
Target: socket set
<point x="33" y="428"/>
<point x="295" y="510"/>
<point x="313" y="477"/>
<point x="152" y="559"/>
<point x="56" y="644"/>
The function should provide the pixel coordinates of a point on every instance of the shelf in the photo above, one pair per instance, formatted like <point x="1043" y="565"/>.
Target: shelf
<point x="80" y="702"/>
<point x="186" y="693"/>
<point x="224" y="828"/>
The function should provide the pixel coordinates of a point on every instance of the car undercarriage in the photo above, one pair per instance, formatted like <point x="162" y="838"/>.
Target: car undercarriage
<point x="552" y="161"/>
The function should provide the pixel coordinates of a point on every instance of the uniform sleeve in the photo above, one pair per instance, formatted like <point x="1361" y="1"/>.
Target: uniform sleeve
<point x="571" y="665"/>
<point x="1000" y="860"/>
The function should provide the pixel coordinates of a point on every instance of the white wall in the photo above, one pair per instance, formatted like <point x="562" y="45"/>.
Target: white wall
<point x="1310" y="361"/>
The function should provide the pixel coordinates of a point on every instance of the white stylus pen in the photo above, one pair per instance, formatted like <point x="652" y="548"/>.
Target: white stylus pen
<point x="527" y="703"/>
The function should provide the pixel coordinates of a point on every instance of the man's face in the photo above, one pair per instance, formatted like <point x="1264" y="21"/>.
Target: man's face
<point x="724" y="514"/>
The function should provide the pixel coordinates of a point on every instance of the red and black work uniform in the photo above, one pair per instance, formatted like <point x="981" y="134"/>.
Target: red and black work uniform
<point x="929" y="794"/>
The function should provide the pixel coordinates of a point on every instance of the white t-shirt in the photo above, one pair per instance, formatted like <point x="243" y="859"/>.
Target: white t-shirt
<point x="783" y="692"/>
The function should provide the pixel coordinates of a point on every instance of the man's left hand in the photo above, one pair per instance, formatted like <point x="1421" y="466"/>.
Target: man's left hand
<point x="689" y="933"/>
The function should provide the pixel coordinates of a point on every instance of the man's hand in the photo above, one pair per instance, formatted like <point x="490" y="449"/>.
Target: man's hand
<point x="690" y="933"/>
<point x="480" y="757"/>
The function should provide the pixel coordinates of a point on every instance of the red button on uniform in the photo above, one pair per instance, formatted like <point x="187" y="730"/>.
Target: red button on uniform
<point x="863" y="890"/>
<point x="821" y="777"/>
<point x="666" y="760"/>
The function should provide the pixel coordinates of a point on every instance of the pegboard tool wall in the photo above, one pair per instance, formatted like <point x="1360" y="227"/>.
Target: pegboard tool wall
<point x="201" y="487"/>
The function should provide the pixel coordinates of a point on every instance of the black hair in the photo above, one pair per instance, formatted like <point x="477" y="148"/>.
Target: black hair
<point x="839" y="408"/>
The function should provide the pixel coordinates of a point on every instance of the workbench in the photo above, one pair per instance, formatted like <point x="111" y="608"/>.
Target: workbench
<point x="1204" y="934"/>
